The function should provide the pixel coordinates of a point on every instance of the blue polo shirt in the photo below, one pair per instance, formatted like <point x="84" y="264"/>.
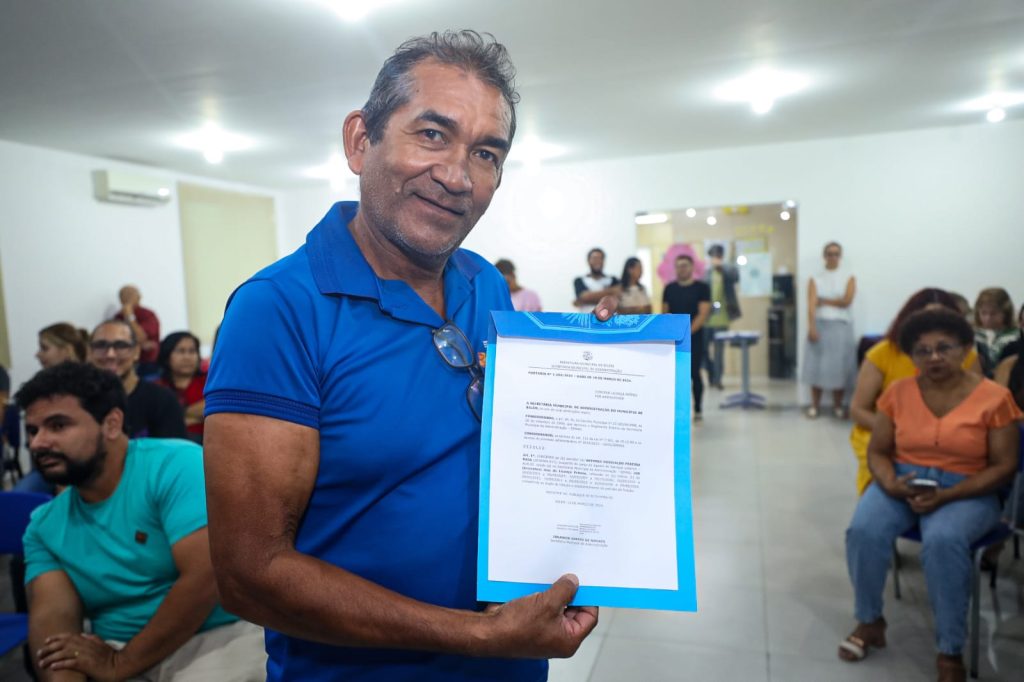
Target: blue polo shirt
<point x="319" y="340"/>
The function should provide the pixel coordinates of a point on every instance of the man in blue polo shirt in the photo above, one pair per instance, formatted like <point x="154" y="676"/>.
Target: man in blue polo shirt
<point x="342" y="431"/>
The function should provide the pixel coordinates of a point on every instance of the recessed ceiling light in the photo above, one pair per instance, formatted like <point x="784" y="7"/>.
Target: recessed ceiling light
<point x="995" y="100"/>
<point x="355" y="10"/>
<point x="691" y="212"/>
<point x="530" y="151"/>
<point x="712" y="220"/>
<point x="335" y="170"/>
<point x="995" y="115"/>
<point x="790" y="203"/>
<point x="164" y="192"/>
<point x="784" y="215"/>
<point x="741" y="260"/>
<point x="651" y="218"/>
<point x="760" y="88"/>
<point x="213" y="142"/>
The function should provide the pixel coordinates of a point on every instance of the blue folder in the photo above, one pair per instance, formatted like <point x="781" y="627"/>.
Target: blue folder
<point x="586" y="328"/>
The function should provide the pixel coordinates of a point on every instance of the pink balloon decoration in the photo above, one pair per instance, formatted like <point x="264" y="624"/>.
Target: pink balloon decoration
<point x="667" y="267"/>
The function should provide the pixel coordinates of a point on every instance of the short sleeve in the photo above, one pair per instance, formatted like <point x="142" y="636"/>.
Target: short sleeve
<point x="38" y="559"/>
<point x="579" y="286"/>
<point x="179" y="489"/>
<point x="1005" y="411"/>
<point x="887" y="402"/>
<point x="265" y="362"/>
<point x="665" y="291"/>
<point x="880" y="355"/>
<point x="704" y="293"/>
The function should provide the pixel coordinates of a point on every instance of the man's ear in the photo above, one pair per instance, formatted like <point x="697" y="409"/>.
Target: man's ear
<point x="357" y="141"/>
<point x="113" y="424"/>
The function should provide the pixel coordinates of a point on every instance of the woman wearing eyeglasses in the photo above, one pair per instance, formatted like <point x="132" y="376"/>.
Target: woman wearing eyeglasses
<point x="943" y="443"/>
<point x="885" y="364"/>
<point x="830" y="354"/>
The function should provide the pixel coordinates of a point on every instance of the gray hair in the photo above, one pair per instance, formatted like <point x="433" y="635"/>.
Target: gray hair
<point x="481" y="55"/>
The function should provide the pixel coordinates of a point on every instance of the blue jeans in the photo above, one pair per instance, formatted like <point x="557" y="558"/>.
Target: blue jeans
<point x="715" y="365"/>
<point x="947" y="534"/>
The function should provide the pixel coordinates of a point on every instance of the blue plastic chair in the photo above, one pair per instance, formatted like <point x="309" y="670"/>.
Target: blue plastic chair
<point x="998" y="534"/>
<point x="15" y="510"/>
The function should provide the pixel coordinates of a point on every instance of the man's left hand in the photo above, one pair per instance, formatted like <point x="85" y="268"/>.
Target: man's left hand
<point x="84" y="653"/>
<point x="606" y="307"/>
<point x="927" y="502"/>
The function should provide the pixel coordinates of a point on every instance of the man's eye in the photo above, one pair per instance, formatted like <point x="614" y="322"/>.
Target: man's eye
<point x="432" y="135"/>
<point x="488" y="156"/>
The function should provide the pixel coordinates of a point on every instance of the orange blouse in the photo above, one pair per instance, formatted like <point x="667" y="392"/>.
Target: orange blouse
<point x="957" y="441"/>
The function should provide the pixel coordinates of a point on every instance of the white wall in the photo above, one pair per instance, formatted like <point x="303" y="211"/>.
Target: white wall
<point x="939" y="207"/>
<point x="65" y="255"/>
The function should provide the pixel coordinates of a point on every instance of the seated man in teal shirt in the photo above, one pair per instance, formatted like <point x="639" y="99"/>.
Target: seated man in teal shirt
<point x="124" y="546"/>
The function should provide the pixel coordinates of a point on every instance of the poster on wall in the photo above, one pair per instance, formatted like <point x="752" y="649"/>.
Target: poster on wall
<point x="756" y="275"/>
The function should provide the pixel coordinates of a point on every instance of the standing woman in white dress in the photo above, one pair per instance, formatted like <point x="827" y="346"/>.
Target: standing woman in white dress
<point x="830" y="358"/>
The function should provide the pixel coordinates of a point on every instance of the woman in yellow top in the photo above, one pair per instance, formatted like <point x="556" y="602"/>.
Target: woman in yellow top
<point x="884" y="364"/>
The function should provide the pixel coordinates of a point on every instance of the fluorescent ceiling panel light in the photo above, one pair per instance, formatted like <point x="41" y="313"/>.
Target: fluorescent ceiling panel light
<point x="651" y="218"/>
<point x="213" y="142"/>
<point x="531" y="151"/>
<point x="995" y="100"/>
<point x="995" y="115"/>
<point x="335" y="171"/>
<point x="760" y="88"/>
<point x="355" y="10"/>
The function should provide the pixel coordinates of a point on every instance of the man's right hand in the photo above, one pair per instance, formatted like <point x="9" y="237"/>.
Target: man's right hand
<point x="812" y="335"/>
<point x="540" y="625"/>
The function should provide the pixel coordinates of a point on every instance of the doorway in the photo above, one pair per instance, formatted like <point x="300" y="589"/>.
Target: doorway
<point x="759" y="240"/>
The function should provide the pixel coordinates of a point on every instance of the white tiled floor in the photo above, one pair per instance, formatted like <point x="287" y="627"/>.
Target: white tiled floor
<point x="773" y="495"/>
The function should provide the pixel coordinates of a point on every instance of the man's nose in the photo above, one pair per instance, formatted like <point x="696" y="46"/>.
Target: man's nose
<point x="453" y="172"/>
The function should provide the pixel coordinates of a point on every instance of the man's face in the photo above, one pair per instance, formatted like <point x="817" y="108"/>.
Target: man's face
<point x="684" y="269"/>
<point x="426" y="183"/>
<point x="66" y="443"/>
<point x="596" y="261"/>
<point x="112" y="349"/>
<point x="129" y="295"/>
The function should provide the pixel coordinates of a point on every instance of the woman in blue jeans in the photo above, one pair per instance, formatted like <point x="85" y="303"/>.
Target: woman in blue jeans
<point x="944" y="442"/>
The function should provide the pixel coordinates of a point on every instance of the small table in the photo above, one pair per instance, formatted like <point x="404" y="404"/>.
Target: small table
<point x="745" y="398"/>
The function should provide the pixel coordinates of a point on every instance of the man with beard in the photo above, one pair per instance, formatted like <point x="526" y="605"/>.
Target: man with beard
<point x="343" y="404"/>
<point x="125" y="546"/>
<point x="152" y="411"/>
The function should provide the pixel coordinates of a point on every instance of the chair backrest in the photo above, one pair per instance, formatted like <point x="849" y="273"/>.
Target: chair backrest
<point x="1016" y="511"/>
<point x="15" y="510"/>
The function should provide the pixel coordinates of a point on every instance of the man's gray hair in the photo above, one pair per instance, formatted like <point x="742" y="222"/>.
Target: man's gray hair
<point x="480" y="55"/>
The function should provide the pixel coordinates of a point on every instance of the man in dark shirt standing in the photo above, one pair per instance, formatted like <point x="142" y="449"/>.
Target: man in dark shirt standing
<point x="688" y="296"/>
<point x="153" y="411"/>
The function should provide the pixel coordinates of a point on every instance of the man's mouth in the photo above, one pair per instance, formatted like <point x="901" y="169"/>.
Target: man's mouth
<point x="454" y="210"/>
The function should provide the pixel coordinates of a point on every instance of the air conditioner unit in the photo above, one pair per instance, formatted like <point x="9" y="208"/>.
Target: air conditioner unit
<point x="121" y="187"/>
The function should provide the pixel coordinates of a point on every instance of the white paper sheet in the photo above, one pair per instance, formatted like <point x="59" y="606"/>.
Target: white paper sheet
<point x="582" y="468"/>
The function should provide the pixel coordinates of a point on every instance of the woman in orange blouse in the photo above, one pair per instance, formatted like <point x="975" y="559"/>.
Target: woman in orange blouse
<point x="943" y="443"/>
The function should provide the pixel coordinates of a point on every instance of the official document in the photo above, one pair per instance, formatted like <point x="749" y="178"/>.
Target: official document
<point x="585" y="459"/>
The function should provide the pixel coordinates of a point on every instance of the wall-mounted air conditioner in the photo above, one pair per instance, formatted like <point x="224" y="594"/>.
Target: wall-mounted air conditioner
<point x="122" y="187"/>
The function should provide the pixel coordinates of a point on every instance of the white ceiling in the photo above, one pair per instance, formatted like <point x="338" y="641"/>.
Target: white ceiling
<point x="122" y="78"/>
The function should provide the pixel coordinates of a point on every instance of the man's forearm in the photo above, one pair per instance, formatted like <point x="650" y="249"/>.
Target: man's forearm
<point x="307" y="598"/>
<point x="187" y="605"/>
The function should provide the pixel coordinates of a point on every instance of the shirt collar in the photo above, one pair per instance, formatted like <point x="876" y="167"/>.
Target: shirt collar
<point x="339" y="267"/>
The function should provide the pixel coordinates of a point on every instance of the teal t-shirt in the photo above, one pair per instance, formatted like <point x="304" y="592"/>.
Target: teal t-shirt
<point x="117" y="552"/>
